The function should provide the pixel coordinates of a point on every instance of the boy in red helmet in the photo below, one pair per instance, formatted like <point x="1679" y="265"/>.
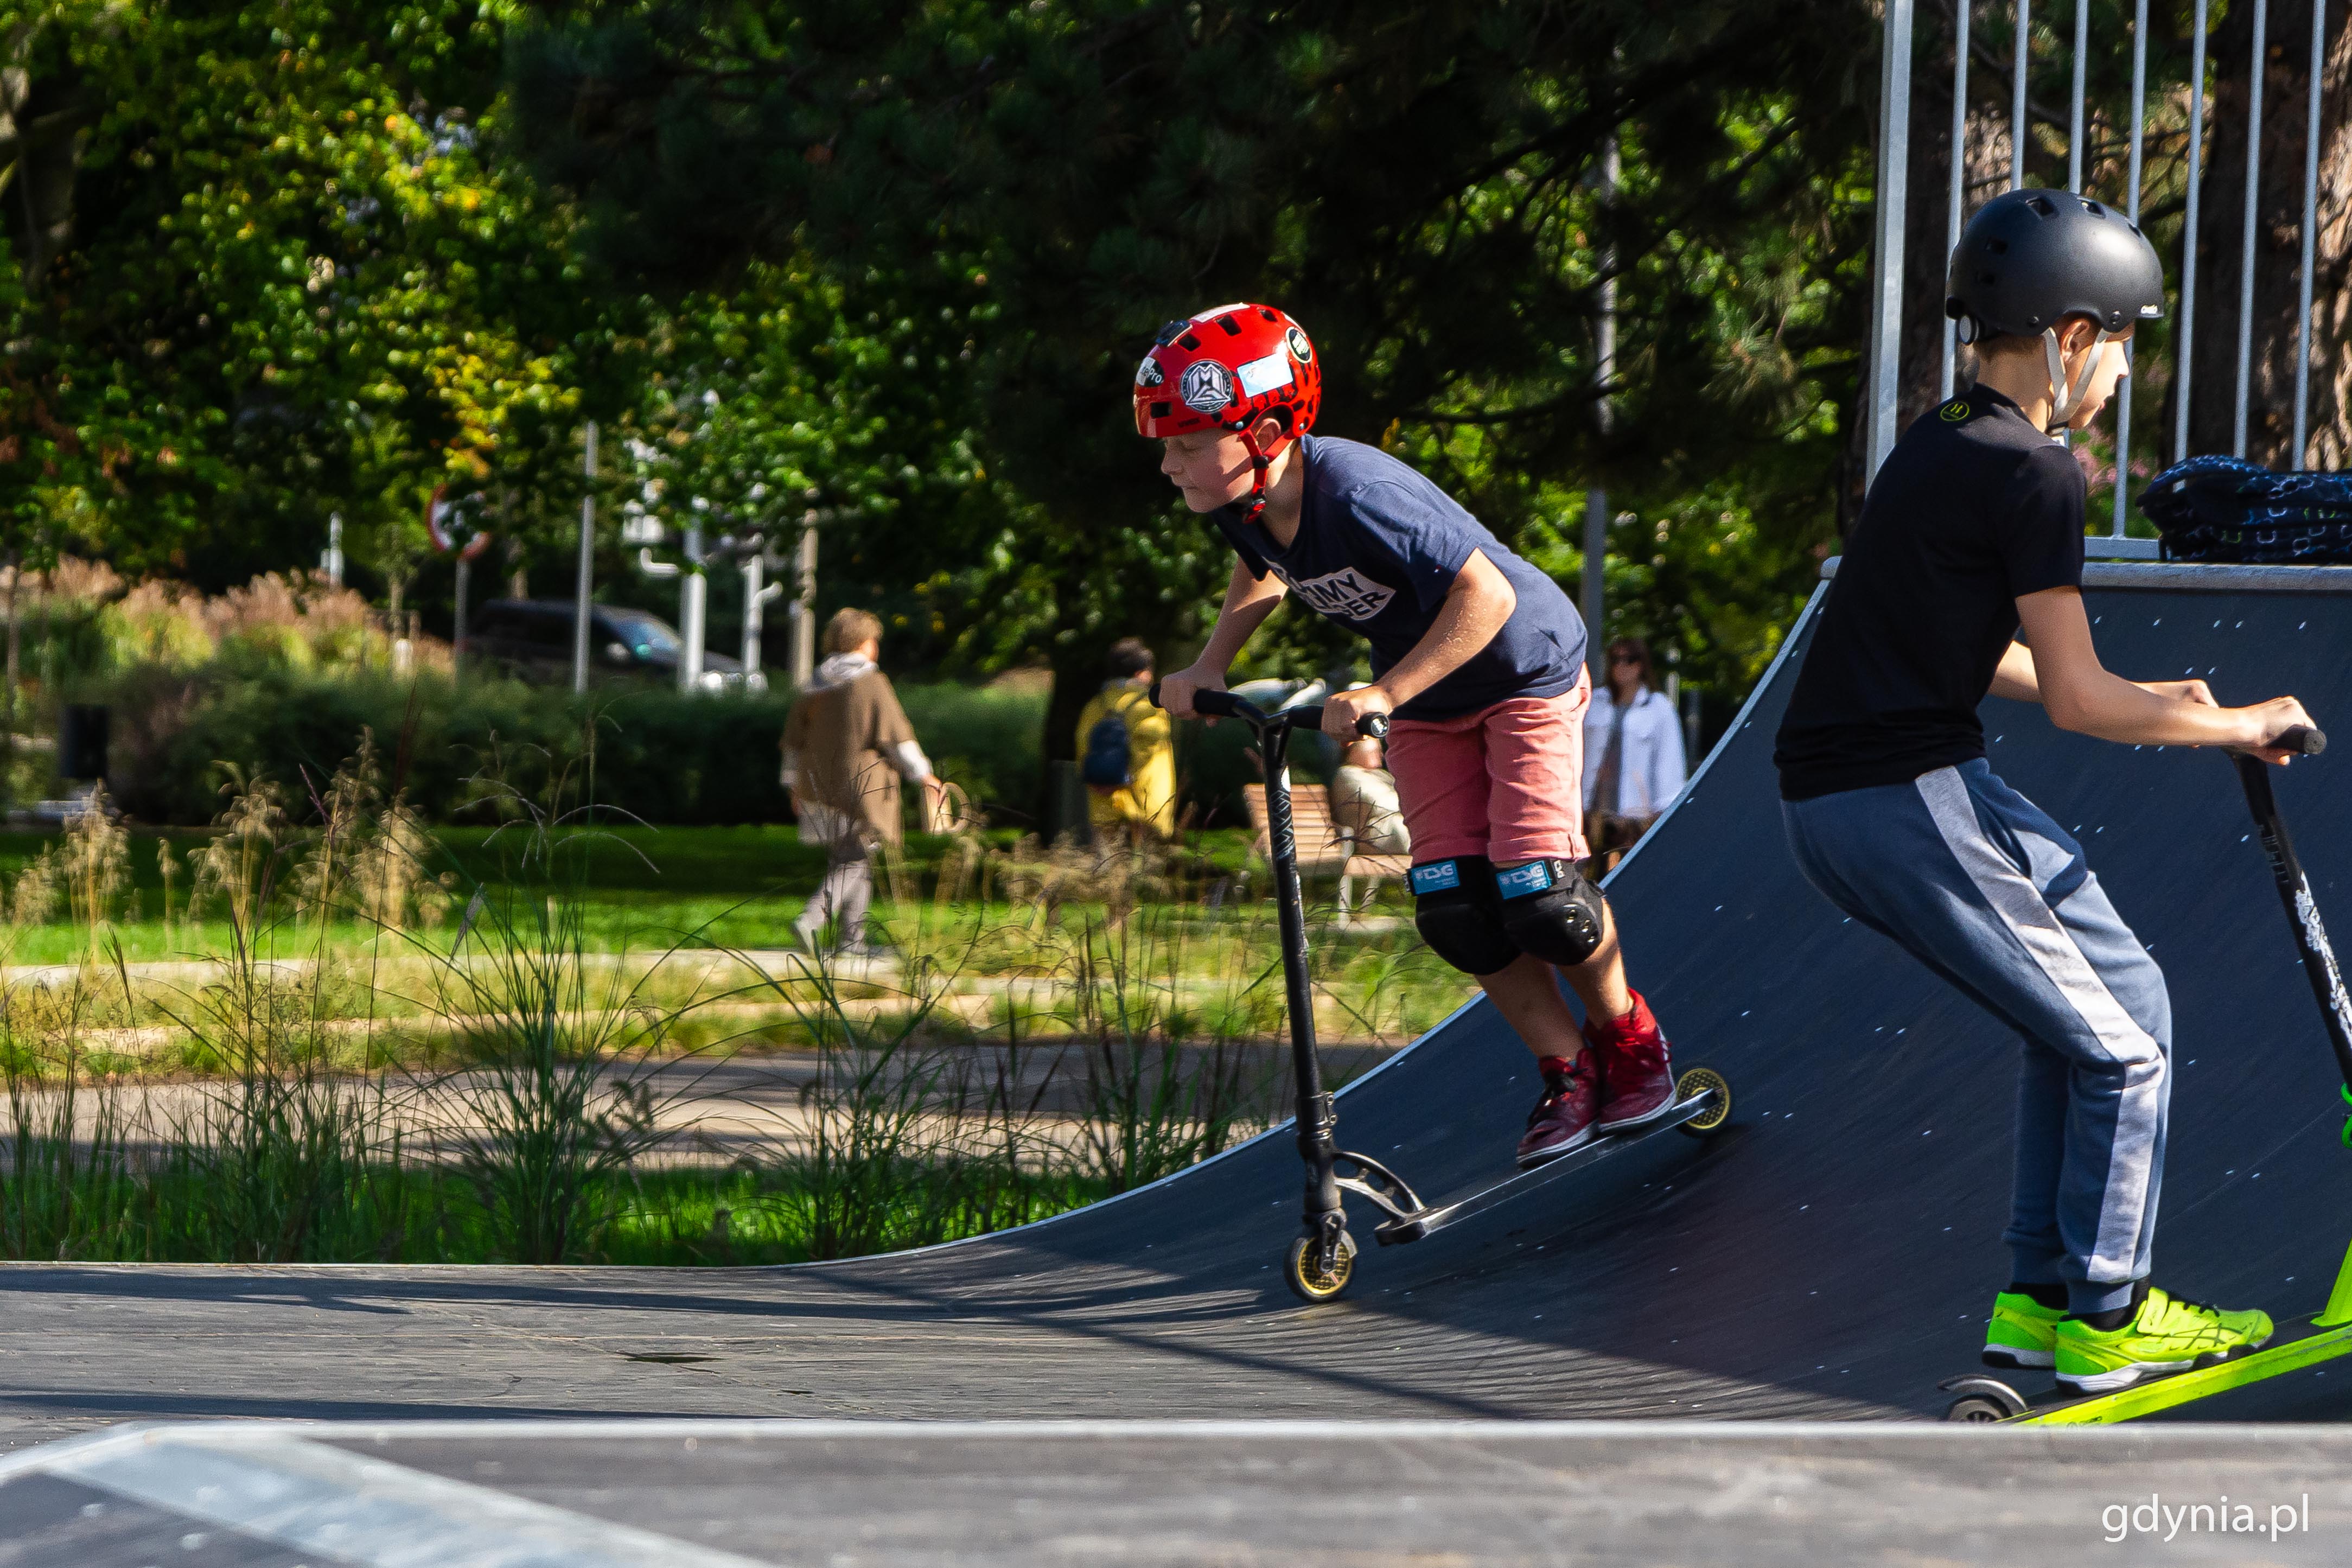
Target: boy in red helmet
<point x="1478" y="656"/>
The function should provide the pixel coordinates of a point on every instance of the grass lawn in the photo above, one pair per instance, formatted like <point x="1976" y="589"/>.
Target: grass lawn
<point x="1142" y="997"/>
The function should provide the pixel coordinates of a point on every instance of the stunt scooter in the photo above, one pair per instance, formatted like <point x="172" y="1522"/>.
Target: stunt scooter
<point x="2295" y="1345"/>
<point x="1320" y="1263"/>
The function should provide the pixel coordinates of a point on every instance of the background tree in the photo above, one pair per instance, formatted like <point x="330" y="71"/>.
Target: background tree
<point x="1414" y="180"/>
<point x="277" y="276"/>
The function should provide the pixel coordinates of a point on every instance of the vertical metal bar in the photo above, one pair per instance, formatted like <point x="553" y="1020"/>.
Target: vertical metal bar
<point x="803" y="610"/>
<point x="2025" y="51"/>
<point x="1596" y="500"/>
<point x="2074" y="108"/>
<point x="694" y="610"/>
<point x="584" y="581"/>
<point x="1894" y="166"/>
<point x="2255" y="71"/>
<point x="2310" y="235"/>
<point x="2131" y="197"/>
<point x="1959" y="159"/>
<point x="457" y="631"/>
<point x="1595" y="606"/>
<point x="2184" y="358"/>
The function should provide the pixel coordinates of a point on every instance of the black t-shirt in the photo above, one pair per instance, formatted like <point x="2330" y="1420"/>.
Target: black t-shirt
<point x="1974" y="509"/>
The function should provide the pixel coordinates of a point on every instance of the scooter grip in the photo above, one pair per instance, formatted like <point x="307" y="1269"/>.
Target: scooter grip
<point x="2301" y="740"/>
<point x="1211" y="704"/>
<point x="1373" y="726"/>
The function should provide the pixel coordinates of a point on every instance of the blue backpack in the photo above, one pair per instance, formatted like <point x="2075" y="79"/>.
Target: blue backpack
<point x="1109" y="760"/>
<point x="2227" y="509"/>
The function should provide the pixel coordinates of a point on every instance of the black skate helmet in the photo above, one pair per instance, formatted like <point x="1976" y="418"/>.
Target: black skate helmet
<point x="2030" y="259"/>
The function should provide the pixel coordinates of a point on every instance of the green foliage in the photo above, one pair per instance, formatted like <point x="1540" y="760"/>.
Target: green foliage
<point x="1415" y="181"/>
<point x="292" y="279"/>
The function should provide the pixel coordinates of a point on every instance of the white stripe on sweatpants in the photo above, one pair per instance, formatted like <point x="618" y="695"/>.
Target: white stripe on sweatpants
<point x="2036" y="926"/>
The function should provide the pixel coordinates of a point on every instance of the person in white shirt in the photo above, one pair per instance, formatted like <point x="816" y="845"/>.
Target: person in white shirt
<point x="1364" y="801"/>
<point x="1634" y="747"/>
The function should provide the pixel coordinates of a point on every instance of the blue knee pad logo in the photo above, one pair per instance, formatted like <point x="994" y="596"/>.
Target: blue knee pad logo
<point x="1437" y="877"/>
<point x="1534" y="877"/>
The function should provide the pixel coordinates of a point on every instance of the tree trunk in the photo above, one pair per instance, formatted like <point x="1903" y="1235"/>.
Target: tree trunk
<point x="41" y="135"/>
<point x="2278" y="247"/>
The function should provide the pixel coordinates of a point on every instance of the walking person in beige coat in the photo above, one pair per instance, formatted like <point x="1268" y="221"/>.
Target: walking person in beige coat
<point x="846" y="744"/>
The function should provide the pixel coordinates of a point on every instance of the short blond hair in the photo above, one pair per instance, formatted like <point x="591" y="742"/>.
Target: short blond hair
<point x="850" y="630"/>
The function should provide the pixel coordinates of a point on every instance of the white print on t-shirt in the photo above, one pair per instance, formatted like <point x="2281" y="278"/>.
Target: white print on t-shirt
<point x="1346" y="592"/>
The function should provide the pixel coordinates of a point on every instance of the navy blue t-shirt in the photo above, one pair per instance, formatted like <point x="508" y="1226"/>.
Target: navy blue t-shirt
<point x="1377" y="550"/>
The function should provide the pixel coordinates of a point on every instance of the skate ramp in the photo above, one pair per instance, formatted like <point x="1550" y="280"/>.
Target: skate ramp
<point x="1831" y="1254"/>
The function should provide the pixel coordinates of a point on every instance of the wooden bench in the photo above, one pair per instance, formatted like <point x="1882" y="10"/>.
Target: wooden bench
<point x="1323" y="845"/>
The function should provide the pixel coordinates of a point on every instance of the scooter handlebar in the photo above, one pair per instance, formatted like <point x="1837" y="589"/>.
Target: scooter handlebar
<point x="2301" y="740"/>
<point x="1226" y="705"/>
<point x="1371" y="726"/>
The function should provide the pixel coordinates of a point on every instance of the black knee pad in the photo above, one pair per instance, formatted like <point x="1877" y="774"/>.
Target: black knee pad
<point x="1551" y="910"/>
<point x="1454" y="905"/>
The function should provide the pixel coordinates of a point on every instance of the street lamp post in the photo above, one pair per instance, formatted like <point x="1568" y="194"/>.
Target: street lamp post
<point x="694" y="596"/>
<point x="803" y="607"/>
<point x="758" y="594"/>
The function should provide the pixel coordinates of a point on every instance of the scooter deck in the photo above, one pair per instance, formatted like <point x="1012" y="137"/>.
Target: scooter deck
<point x="1439" y="1215"/>
<point x="2291" y="1348"/>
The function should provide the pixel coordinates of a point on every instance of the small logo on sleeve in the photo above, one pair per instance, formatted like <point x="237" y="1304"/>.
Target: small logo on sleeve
<point x="1955" y="411"/>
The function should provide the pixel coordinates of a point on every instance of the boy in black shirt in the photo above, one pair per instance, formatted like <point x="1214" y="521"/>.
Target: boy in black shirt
<point x="1973" y="527"/>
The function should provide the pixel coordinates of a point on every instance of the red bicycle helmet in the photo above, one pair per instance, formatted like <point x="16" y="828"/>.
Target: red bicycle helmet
<point x="1226" y="368"/>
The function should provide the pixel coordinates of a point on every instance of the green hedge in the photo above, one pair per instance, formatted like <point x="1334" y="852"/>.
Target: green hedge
<point x="656" y="756"/>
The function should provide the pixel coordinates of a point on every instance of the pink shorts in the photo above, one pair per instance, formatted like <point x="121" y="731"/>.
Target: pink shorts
<point x="1506" y="782"/>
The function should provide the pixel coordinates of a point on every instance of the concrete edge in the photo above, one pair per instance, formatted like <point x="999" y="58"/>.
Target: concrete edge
<point x="230" y="1435"/>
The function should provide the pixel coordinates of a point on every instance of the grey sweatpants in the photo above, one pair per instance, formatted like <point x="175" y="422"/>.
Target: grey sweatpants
<point x="842" y="898"/>
<point x="1978" y="884"/>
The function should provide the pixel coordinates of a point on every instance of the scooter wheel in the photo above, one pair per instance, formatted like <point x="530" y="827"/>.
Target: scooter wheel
<point x="1979" y="1407"/>
<point x="1695" y="1082"/>
<point x="1310" y="1283"/>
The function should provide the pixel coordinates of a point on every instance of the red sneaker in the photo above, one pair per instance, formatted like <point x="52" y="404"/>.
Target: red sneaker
<point x="1637" y="1080"/>
<point x="1563" y="1119"/>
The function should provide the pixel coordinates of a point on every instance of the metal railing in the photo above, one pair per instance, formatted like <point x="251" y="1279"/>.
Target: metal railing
<point x="1895" y="111"/>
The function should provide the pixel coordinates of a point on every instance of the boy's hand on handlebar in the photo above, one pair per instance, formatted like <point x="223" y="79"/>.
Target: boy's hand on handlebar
<point x="1341" y="710"/>
<point x="2270" y="720"/>
<point x="1176" y="690"/>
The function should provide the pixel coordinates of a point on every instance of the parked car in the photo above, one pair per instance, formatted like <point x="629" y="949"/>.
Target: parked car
<point x="531" y="640"/>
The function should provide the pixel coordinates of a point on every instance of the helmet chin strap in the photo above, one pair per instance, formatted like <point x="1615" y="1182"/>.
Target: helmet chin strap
<point x="2068" y="399"/>
<point x="1254" y="508"/>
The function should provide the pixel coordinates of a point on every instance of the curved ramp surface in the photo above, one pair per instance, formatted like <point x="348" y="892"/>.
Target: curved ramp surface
<point x="1831" y="1254"/>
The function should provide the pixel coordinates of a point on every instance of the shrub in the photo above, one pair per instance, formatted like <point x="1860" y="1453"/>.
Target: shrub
<point x="658" y="756"/>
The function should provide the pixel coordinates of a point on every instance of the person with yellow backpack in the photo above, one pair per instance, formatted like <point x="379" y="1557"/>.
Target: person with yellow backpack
<point x="1127" y="750"/>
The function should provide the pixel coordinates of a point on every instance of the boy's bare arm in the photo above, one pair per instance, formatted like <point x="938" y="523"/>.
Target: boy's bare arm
<point x="2082" y="696"/>
<point x="1476" y="608"/>
<point x="1249" y="599"/>
<point x="2017" y="680"/>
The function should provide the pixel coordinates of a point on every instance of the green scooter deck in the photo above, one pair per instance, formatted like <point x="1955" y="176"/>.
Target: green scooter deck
<point x="2291" y="1350"/>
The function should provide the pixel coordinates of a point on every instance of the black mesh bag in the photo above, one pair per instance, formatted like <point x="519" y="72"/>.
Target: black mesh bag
<point x="2227" y="509"/>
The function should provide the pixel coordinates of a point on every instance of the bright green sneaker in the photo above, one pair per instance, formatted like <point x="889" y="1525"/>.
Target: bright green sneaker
<point x="2168" y="1335"/>
<point x="2023" y="1332"/>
